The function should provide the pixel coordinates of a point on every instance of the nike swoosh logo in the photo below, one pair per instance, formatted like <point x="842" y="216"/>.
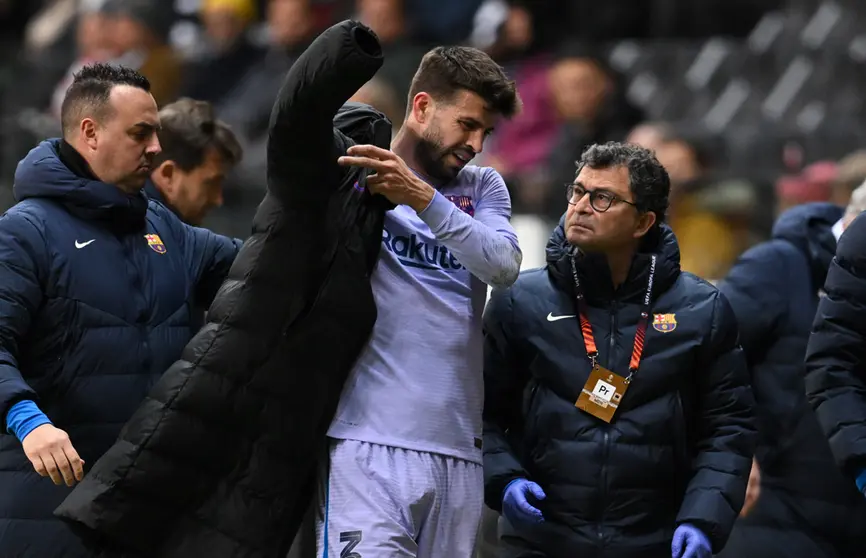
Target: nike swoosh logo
<point x="552" y="318"/>
<point x="81" y="245"/>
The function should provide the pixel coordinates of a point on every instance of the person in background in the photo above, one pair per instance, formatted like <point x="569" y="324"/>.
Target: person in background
<point x="836" y="355"/>
<point x="229" y="52"/>
<point x="96" y="285"/>
<point x="388" y="19"/>
<point x="617" y="411"/>
<point x="850" y="174"/>
<point x="246" y="106"/>
<point x="813" y="184"/>
<point x="198" y="151"/>
<point x="856" y="205"/>
<point x="651" y="135"/>
<point x="799" y="504"/>
<point x="380" y="96"/>
<point x="592" y="107"/>
<point x="94" y="40"/>
<point x="140" y="30"/>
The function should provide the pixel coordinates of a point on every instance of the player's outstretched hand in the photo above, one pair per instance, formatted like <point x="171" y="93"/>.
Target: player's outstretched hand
<point x="50" y="451"/>
<point x="393" y="178"/>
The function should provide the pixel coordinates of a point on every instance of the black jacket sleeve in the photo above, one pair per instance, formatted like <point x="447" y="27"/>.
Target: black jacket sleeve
<point x="725" y="432"/>
<point x="303" y="145"/>
<point x="503" y="388"/>
<point x="836" y="354"/>
<point x="757" y="288"/>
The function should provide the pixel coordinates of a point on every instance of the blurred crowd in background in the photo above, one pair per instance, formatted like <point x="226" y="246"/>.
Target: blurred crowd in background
<point x="752" y="105"/>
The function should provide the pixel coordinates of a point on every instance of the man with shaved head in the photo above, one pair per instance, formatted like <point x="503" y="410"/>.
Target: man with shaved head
<point x="96" y="291"/>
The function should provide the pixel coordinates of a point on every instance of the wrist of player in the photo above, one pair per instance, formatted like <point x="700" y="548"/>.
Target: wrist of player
<point x="421" y="196"/>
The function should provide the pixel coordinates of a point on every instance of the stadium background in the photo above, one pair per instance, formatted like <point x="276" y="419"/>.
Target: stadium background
<point x="753" y="105"/>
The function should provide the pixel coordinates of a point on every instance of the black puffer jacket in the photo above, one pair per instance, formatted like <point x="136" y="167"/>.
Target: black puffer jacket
<point x="836" y="354"/>
<point x="806" y="508"/>
<point x="219" y="460"/>
<point x="679" y="449"/>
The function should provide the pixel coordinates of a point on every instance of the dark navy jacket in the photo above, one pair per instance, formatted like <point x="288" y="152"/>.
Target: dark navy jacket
<point x="95" y="290"/>
<point x="836" y="355"/>
<point x="773" y="289"/>
<point x="679" y="449"/>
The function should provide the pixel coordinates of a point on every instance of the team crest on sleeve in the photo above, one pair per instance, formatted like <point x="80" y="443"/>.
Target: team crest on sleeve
<point x="464" y="203"/>
<point x="664" y="323"/>
<point x="155" y="243"/>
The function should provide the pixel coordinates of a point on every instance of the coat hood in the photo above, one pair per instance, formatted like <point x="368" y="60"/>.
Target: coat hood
<point x="595" y="272"/>
<point x="809" y="227"/>
<point x="42" y="174"/>
<point x="364" y="124"/>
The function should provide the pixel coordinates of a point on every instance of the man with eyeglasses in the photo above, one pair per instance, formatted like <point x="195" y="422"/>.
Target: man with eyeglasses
<point x="618" y="416"/>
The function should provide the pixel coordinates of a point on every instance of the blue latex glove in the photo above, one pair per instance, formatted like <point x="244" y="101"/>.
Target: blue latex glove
<point x="861" y="483"/>
<point x="690" y="542"/>
<point x="516" y="508"/>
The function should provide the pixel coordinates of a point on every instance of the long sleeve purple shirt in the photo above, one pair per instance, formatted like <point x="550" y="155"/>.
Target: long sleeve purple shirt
<point x="418" y="385"/>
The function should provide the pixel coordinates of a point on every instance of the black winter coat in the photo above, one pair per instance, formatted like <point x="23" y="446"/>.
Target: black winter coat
<point x="836" y="354"/>
<point x="219" y="460"/>
<point x="679" y="449"/>
<point x="806" y="508"/>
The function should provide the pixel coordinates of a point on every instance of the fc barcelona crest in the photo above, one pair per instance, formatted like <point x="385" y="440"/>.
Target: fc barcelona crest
<point x="664" y="323"/>
<point x="464" y="203"/>
<point x="155" y="243"/>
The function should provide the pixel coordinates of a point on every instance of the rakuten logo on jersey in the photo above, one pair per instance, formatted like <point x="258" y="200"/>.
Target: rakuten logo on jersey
<point x="414" y="253"/>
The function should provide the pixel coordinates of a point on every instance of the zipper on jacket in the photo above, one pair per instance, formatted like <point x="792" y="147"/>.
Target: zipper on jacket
<point x="530" y="440"/>
<point x="605" y="452"/>
<point x="610" y="354"/>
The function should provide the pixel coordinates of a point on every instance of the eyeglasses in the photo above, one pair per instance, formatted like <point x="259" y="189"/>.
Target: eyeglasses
<point x="600" y="200"/>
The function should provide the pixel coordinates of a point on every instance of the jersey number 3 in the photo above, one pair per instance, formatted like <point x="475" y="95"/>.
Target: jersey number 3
<point x="352" y="539"/>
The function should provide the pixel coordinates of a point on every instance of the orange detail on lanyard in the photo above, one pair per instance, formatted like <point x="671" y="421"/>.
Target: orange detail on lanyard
<point x="640" y="334"/>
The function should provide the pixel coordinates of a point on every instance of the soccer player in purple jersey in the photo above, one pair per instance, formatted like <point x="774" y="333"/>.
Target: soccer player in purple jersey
<point x="404" y="478"/>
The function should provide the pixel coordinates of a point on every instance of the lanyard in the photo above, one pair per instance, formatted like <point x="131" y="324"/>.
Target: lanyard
<point x="640" y="334"/>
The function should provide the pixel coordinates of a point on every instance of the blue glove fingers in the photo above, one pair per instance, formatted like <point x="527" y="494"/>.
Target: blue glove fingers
<point x="531" y="512"/>
<point x="690" y="542"/>
<point x="677" y="543"/>
<point x="695" y="548"/>
<point x="691" y="547"/>
<point x="537" y="491"/>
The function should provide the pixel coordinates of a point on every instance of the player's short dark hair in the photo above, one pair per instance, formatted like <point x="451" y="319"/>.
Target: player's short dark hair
<point x="649" y="182"/>
<point x="90" y="91"/>
<point x="188" y="129"/>
<point x="445" y="70"/>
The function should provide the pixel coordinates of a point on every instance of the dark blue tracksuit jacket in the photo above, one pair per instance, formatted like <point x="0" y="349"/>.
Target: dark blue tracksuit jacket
<point x="95" y="302"/>
<point x="678" y="451"/>
<point x="807" y="507"/>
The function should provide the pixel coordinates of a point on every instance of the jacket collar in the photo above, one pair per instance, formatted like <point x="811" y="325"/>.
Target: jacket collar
<point x="594" y="273"/>
<point x="57" y="172"/>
